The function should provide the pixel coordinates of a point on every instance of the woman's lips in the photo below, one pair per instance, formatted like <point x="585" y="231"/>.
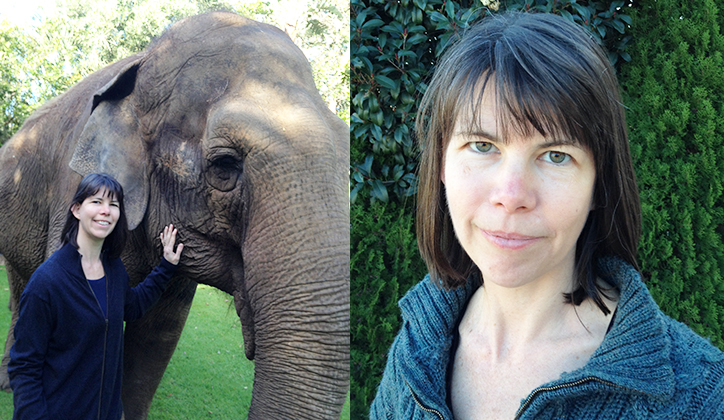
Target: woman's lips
<point x="507" y="240"/>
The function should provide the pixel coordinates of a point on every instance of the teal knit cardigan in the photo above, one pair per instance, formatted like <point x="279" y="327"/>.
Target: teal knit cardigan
<point x="649" y="366"/>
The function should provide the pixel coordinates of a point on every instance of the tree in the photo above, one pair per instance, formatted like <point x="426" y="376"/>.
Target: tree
<point x="14" y="95"/>
<point x="81" y="37"/>
<point x="321" y="29"/>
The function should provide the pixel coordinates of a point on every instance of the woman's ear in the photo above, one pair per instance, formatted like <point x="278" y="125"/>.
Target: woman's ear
<point x="75" y="209"/>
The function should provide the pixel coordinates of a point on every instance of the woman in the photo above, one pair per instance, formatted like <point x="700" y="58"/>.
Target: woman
<point x="529" y="220"/>
<point x="67" y="360"/>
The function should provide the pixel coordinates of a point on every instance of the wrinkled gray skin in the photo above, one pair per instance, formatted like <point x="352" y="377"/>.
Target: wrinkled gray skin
<point x="217" y="128"/>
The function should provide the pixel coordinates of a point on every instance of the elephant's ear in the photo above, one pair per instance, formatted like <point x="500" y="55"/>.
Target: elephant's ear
<point x="111" y="142"/>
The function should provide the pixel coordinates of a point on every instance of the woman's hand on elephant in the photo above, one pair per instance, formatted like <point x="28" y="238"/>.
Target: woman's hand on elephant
<point x="168" y="239"/>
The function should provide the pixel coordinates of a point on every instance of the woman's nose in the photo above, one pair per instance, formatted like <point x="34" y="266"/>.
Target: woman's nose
<point x="513" y="188"/>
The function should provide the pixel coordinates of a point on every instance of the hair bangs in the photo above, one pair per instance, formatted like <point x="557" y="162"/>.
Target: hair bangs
<point x="524" y="110"/>
<point x="106" y="184"/>
<point x="522" y="107"/>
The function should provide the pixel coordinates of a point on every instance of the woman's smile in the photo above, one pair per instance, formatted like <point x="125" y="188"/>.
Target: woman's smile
<point x="508" y="240"/>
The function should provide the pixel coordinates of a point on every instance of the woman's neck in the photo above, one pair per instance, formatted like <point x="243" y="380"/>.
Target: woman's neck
<point x="503" y="319"/>
<point x="89" y="249"/>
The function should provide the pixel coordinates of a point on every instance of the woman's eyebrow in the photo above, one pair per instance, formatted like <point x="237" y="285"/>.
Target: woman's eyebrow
<point x="480" y="133"/>
<point x="561" y="142"/>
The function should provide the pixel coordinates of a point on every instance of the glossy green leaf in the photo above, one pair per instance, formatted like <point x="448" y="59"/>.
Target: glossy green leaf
<point x="371" y="24"/>
<point x="618" y="25"/>
<point x="366" y="168"/>
<point x="379" y="191"/>
<point x="354" y="192"/>
<point x="417" y="39"/>
<point x="385" y="81"/>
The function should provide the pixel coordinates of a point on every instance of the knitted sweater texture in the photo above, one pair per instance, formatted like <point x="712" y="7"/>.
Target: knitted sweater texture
<point x="67" y="360"/>
<point x="649" y="366"/>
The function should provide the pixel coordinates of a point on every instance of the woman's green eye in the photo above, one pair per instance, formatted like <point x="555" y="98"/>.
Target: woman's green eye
<point x="558" y="157"/>
<point x="482" y="146"/>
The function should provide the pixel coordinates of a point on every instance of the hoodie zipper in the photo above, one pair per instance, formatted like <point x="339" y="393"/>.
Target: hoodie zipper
<point x="105" y="342"/>
<point x="528" y="401"/>
<point x="419" y="404"/>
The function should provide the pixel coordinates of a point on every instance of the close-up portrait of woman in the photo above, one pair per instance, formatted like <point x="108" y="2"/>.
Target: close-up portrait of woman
<point x="529" y="220"/>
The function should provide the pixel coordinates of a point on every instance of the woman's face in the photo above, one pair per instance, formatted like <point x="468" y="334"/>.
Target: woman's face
<point x="97" y="215"/>
<point x="518" y="204"/>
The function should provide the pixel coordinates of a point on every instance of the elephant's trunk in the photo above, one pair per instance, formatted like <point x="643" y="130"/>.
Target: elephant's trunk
<point x="296" y="275"/>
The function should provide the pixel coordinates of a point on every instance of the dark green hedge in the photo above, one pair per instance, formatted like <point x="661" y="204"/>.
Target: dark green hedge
<point x="384" y="264"/>
<point x="669" y="57"/>
<point x="674" y="89"/>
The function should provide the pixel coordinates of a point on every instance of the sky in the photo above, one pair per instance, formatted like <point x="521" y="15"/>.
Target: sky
<point x="22" y="12"/>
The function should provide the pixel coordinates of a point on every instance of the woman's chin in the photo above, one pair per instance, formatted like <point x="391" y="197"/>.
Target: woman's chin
<point x="506" y="281"/>
<point x="516" y="274"/>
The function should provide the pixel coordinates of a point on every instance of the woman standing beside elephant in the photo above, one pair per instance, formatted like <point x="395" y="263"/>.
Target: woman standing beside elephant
<point x="67" y="357"/>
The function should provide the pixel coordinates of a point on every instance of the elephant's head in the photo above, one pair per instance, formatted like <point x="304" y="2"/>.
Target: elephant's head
<point x="218" y="128"/>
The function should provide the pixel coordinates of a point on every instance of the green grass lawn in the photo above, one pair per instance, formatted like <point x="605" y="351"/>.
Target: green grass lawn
<point x="208" y="377"/>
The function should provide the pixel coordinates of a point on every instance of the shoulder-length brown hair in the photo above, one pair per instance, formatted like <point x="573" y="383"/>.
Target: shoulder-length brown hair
<point x="551" y="76"/>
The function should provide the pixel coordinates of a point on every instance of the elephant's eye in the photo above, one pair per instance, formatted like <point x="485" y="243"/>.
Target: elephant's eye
<point x="223" y="172"/>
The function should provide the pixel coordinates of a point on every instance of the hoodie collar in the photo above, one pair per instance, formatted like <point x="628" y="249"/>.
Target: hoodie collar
<point x="634" y="355"/>
<point x="70" y="260"/>
<point x="431" y="314"/>
<point x="636" y="352"/>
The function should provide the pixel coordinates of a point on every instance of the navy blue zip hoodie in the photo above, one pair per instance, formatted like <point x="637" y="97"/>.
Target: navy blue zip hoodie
<point x="67" y="360"/>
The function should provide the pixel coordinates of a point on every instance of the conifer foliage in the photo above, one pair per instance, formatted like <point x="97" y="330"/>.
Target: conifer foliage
<point x="673" y="89"/>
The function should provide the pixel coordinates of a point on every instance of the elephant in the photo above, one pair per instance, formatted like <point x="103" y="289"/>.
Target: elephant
<point x="217" y="128"/>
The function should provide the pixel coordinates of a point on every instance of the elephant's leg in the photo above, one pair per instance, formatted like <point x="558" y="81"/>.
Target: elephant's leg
<point x="149" y="345"/>
<point x="15" y="283"/>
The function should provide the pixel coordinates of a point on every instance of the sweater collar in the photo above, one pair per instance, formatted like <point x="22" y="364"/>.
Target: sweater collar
<point x="431" y="313"/>
<point x="634" y="355"/>
<point x="636" y="352"/>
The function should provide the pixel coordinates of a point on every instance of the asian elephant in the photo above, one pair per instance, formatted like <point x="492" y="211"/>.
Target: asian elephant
<point x="218" y="128"/>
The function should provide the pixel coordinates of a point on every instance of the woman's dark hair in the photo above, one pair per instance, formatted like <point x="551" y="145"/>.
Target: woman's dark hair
<point x="549" y="75"/>
<point x="90" y="185"/>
